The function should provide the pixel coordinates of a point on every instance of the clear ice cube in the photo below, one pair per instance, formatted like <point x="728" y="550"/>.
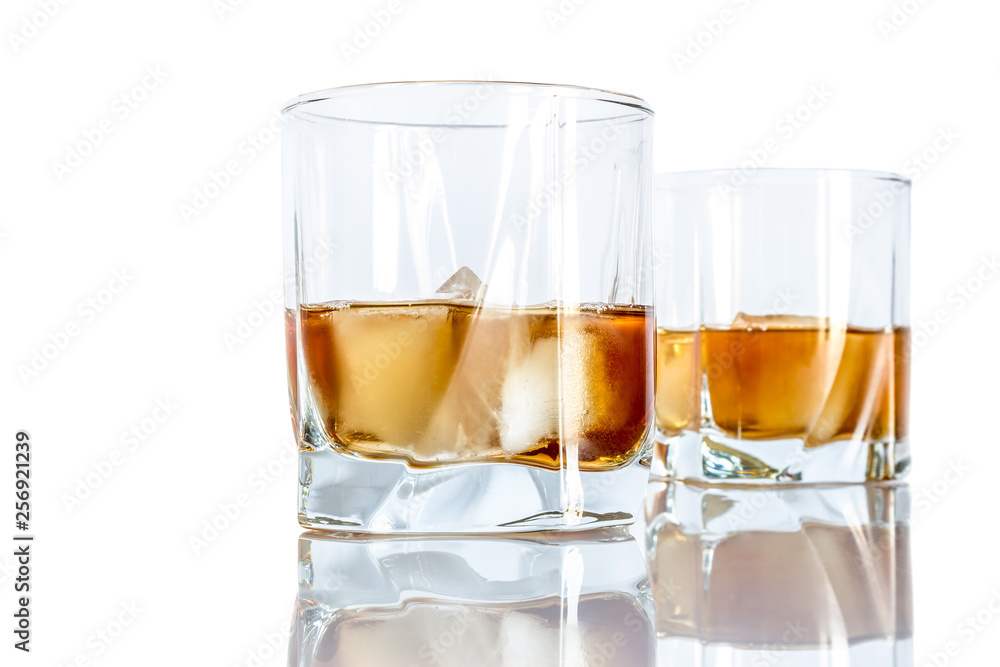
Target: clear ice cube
<point x="530" y="398"/>
<point x="463" y="284"/>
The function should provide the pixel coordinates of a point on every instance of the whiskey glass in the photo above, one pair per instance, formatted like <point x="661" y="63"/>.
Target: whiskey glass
<point x="470" y="328"/>
<point x="801" y="359"/>
<point x="568" y="598"/>
<point x="803" y="576"/>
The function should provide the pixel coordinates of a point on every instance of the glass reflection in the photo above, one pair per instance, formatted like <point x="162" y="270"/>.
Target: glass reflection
<point x="755" y="577"/>
<point x="543" y="599"/>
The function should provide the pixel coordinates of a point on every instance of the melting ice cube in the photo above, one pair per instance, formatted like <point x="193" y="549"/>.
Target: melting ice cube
<point x="530" y="399"/>
<point x="463" y="284"/>
<point x="526" y="640"/>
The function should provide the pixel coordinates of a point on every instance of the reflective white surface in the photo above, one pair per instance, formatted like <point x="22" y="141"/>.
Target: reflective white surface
<point x="545" y="599"/>
<point x="737" y="576"/>
<point x="792" y="576"/>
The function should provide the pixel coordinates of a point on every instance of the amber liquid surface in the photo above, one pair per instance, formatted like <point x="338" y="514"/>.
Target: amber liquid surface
<point x="443" y="382"/>
<point x="772" y="377"/>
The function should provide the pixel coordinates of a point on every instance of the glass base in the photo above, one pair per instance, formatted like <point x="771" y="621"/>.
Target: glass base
<point x="349" y="493"/>
<point x="872" y="653"/>
<point x="712" y="456"/>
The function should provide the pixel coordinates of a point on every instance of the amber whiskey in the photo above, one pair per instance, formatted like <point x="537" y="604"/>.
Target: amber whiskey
<point x="438" y="382"/>
<point x="291" y="362"/>
<point x="798" y="377"/>
<point x="678" y="381"/>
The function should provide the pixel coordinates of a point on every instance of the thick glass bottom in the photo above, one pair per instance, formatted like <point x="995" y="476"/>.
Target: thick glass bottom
<point x="876" y="652"/>
<point x="349" y="493"/>
<point x="712" y="456"/>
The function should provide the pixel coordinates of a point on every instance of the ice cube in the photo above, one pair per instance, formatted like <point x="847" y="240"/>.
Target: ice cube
<point x="466" y="420"/>
<point x="366" y="385"/>
<point x="596" y="398"/>
<point x="529" y="398"/>
<point x="525" y="640"/>
<point x="573" y="367"/>
<point x="463" y="284"/>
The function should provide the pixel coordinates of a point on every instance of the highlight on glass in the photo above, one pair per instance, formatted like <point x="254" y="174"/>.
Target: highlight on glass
<point x="796" y="366"/>
<point x="470" y="326"/>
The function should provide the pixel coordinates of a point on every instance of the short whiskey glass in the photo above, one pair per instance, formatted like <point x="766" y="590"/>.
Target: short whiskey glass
<point x="470" y="328"/>
<point x="801" y="360"/>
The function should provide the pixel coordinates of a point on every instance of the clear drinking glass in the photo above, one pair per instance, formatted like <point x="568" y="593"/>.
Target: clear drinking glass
<point x="802" y="281"/>
<point x="470" y="331"/>
<point x="556" y="599"/>
<point x="797" y="576"/>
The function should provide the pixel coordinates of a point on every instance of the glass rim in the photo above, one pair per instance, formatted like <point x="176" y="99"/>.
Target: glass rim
<point x="632" y="102"/>
<point x="776" y="175"/>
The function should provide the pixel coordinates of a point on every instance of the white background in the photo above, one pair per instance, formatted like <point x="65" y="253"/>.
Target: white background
<point x="225" y="70"/>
